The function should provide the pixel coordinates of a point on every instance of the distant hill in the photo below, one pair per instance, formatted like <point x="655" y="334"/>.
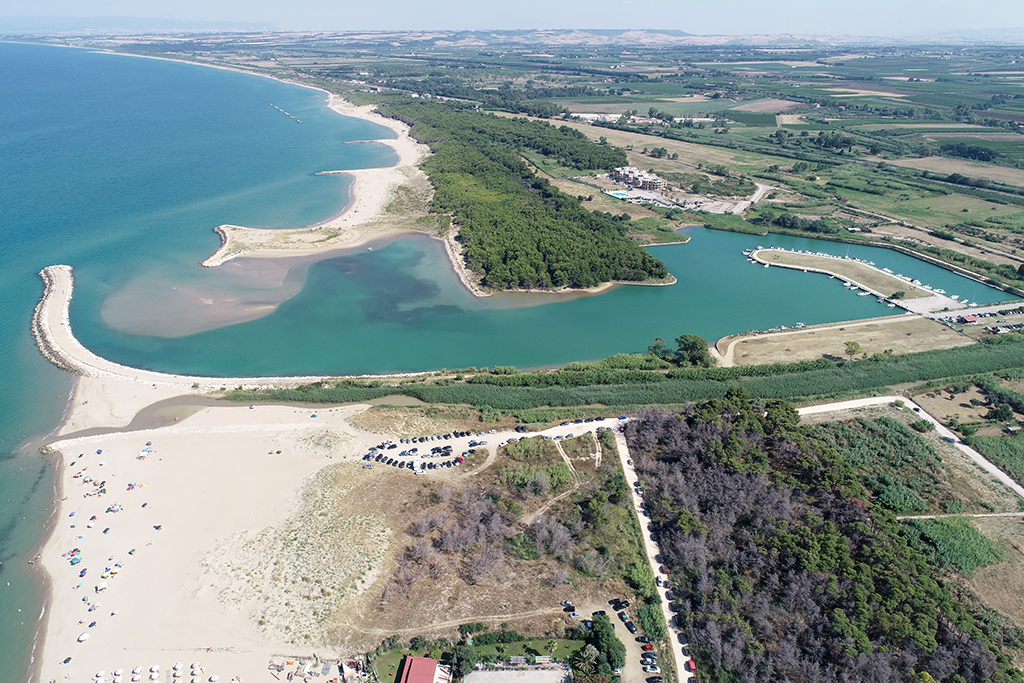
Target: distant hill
<point x="495" y="39"/>
<point x="121" y="25"/>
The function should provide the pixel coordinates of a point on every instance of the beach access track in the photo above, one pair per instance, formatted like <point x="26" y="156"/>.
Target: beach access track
<point x="51" y="327"/>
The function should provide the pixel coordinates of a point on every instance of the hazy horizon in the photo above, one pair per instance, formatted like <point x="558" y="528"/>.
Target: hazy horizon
<point x="870" y="18"/>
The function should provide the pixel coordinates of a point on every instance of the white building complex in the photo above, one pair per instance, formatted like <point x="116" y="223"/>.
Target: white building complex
<point x="634" y="177"/>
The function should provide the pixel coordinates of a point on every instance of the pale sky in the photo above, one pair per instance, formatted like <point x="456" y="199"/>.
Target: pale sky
<point x="850" y="17"/>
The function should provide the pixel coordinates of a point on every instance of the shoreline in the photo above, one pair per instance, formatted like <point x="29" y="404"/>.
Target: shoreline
<point x="234" y="238"/>
<point x="51" y="328"/>
<point x="188" y="618"/>
<point x="923" y="306"/>
<point x="454" y="251"/>
<point x="369" y="192"/>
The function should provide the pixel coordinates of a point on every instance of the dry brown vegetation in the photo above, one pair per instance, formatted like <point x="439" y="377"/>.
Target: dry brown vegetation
<point x="1000" y="174"/>
<point x="407" y="421"/>
<point x="370" y="553"/>
<point x="769" y="106"/>
<point x="962" y="402"/>
<point x="1001" y="585"/>
<point x="903" y="334"/>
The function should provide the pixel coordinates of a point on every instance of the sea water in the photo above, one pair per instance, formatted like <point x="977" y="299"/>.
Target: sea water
<point x="122" y="166"/>
<point x="118" y="165"/>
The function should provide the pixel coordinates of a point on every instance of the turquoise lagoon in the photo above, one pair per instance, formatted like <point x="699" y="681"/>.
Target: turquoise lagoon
<point x="122" y="166"/>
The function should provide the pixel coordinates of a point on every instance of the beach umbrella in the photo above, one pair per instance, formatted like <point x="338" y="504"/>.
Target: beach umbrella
<point x="84" y="637"/>
<point x="117" y="679"/>
<point x="100" y="674"/>
<point x="119" y="672"/>
<point x="137" y="670"/>
<point x="214" y="679"/>
<point x="155" y="668"/>
<point x="177" y="674"/>
<point x="177" y="666"/>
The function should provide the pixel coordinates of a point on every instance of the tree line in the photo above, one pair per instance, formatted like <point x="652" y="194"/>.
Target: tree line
<point x="519" y="230"/>
<point x="783" y="568"/>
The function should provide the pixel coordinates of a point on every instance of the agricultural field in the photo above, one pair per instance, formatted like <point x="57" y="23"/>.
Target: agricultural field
<point x="946" y="125"/>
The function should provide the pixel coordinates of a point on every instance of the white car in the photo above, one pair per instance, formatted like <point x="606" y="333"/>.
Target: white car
<point x="652" y="669"/>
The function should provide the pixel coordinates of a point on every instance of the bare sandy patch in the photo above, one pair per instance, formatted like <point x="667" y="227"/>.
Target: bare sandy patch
<point x="771" y="106"/>
<point x="1002" y="585"/>
<point x="904" y="334"/>
<point x="854" y="92"/>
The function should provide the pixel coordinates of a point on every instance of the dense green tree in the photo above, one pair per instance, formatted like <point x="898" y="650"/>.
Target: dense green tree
<point x="693" y="351"/>
<point x="518" y="230"/>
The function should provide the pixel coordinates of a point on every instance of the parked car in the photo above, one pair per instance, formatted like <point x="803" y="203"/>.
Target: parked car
<point x="643" y="639"/>
<point x="631" y="627"/>
<point x="647" y="647"/>
<point x="622" y="617"/>
<point x="690" y="666"/>
<point x="652" y="669"/>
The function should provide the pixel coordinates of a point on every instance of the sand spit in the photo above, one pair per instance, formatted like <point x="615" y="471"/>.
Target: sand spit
<point x="51" y="328"/>
<point x="360" y="221"/>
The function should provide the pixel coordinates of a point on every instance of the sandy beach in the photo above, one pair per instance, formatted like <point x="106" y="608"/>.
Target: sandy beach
<point x="146" y="512"/>
<point x="147" y="504"/>
<point x="361" y="219"/>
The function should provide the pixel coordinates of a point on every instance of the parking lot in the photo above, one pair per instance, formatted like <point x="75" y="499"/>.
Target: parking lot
<point x="422" y="455"/>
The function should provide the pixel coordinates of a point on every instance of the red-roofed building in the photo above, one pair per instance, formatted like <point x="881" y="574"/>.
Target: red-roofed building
<point x="424" y="670"/>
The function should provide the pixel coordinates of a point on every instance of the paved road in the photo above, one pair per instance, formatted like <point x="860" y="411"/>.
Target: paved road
<point x="653" y="551"/>
<point x="940" y="429"/>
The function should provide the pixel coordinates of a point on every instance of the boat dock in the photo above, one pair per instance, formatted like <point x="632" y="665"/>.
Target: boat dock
<point x="936" y="300"/>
